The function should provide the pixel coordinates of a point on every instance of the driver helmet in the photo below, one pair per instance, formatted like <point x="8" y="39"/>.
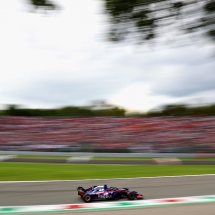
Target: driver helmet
<point x="105" y="187"/>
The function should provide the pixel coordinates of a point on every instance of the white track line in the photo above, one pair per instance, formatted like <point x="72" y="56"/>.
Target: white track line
<point x="102" y="179"/>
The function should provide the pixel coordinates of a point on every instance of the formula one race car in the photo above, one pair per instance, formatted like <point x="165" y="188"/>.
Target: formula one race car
<point x="105" y="193"/>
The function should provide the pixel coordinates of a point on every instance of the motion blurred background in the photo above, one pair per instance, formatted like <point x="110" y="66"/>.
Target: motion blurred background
<point x="107" y="75"/>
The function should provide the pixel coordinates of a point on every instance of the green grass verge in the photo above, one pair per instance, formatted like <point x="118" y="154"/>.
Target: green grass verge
<point x="24" y="171"/>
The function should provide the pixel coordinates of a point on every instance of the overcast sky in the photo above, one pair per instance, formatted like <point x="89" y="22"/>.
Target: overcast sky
<point x="62" y="59"/>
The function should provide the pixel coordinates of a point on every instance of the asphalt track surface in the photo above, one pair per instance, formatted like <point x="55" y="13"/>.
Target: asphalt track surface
<point x="64" y="192"/>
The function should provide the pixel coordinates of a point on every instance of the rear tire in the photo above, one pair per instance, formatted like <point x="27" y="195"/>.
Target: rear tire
<point x="131" y="195"/>
<point x="87" y="198"/>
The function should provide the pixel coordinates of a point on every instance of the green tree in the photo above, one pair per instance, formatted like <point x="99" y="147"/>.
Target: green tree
<point x="44" y="4"/>
<point x="144" y="20"/>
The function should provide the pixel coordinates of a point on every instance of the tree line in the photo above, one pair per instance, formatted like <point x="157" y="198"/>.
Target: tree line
<point x="76" y="111"/>
<point x="71" y="111"/>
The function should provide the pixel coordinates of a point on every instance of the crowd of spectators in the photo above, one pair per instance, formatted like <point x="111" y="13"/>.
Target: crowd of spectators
<point x="135" y="134"/>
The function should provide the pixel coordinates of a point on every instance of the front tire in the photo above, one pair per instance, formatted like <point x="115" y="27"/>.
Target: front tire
<point x="131" y="195"/>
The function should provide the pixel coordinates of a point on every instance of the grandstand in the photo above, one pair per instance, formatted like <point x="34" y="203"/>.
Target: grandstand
<point x="108" y="134"/>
